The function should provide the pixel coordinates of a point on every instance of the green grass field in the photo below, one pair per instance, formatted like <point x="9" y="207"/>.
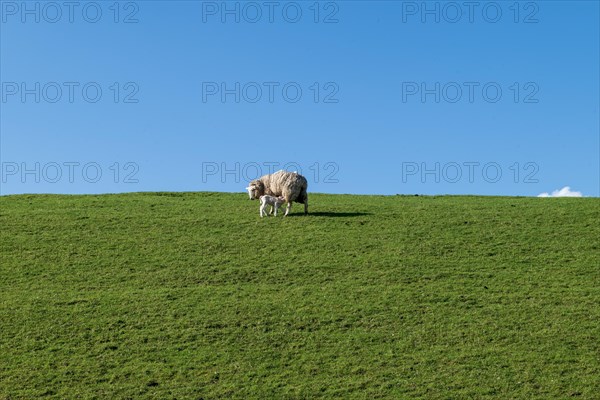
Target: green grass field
<point x="193" y="296"/>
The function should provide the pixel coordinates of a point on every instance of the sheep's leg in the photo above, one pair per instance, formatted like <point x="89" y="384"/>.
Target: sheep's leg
<point x="305" y="206"/>
<point x="288" y="208"/>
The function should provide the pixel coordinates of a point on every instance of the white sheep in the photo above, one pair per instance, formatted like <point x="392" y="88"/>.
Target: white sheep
<point x="273" y="201"/>
<point x="290" y="185"/>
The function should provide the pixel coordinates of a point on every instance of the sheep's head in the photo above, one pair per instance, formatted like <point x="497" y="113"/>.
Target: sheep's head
<point x="255" y="189"/>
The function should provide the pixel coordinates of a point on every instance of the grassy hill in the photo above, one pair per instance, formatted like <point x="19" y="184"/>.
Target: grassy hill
<point x="192" y="295"/>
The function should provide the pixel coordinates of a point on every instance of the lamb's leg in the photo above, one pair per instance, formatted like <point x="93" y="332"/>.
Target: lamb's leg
<point x="272" y="209"/>
<point x="262" y="210"/>
<point x="276" y="207"/>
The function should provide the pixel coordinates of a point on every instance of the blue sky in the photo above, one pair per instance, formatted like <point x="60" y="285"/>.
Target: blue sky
<point x="395" y="98"/>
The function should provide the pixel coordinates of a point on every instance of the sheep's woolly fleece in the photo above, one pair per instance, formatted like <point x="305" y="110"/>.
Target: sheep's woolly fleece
<point x="291" y="185"/>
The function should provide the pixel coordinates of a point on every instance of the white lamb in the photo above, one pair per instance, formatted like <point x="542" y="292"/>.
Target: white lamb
<point x="273" y="201"/>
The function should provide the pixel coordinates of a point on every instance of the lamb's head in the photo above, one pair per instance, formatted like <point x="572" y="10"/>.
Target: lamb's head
<point x="255" y="189"/>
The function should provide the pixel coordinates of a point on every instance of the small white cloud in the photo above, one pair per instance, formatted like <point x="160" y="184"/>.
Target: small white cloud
<point x="564" y="192"/>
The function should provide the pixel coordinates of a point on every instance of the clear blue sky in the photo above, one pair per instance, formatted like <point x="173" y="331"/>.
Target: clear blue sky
<point x="369" y="131"/>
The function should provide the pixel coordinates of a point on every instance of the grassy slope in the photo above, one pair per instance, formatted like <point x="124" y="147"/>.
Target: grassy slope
<point x="193" y="296"/>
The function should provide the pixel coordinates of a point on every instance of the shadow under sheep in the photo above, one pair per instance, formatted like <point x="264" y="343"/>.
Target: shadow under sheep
<point x="330" y="214"/>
